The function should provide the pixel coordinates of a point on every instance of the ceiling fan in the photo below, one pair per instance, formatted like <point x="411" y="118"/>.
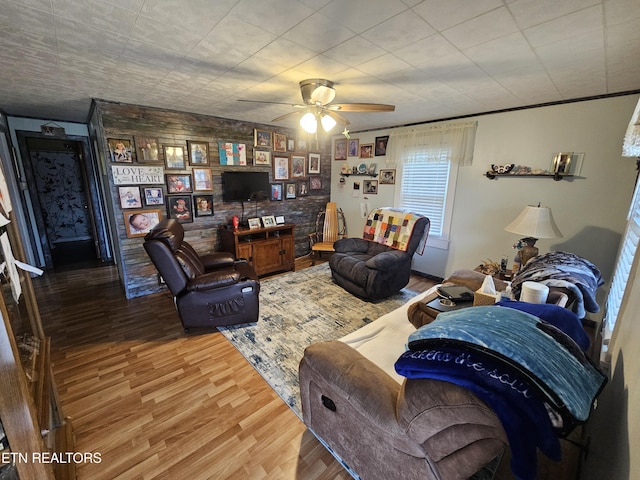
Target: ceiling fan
<point x="317" y="95"/>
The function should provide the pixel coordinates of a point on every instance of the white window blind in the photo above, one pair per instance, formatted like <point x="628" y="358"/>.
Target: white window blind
<point x="627" y="252"/>
<point x="424" y="185"/>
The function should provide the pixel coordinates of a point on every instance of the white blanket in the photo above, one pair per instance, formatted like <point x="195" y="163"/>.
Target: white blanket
<point x="385" y="339"/>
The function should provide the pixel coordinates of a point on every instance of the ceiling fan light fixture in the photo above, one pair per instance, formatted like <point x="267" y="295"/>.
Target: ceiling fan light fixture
<point x="309" y="122"/>
<point x="317" y="91"/>
<point x="327" y="123"/>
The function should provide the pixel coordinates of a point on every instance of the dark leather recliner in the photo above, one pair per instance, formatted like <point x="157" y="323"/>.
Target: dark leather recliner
<point x="379" y="264"/>
<point x="209" y="290"/>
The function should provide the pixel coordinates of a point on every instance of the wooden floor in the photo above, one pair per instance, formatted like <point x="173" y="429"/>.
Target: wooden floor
<point x="159" y="404"/>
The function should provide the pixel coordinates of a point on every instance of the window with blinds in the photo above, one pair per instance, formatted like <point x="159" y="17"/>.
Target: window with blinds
<point x="627" y="252"/>
<point x="424" y="187"/>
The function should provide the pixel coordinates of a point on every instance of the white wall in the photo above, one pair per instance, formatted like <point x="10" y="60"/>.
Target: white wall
<point x="590" y="210"/>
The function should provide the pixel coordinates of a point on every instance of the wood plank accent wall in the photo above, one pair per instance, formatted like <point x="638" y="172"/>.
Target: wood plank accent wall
<point x="117" y="120"/>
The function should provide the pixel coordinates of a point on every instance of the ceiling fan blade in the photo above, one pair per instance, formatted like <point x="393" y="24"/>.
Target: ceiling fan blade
<point x="361" y="107"/>
<point x="337" y="117"/>
<point x="286" y="115"/>
<point x="274" y="103"/>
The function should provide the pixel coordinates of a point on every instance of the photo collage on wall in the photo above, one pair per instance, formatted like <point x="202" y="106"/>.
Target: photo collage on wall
<point x="155" y="180"/>
<point x="176" y="180"/>
<point x="295" y="170"/>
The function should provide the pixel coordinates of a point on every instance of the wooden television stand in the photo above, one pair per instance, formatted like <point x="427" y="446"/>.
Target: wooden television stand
<point x="268" y="250"/>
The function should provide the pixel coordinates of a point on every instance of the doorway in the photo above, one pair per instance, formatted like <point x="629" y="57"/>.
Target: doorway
<point x="62" y="209"/>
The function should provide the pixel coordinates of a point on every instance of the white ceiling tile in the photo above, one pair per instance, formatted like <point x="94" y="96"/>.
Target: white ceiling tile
<point x="96" y="14"/>
<point x="620" y="11"/>
<point x="426" y="51"/>
<point x="168" y="36"/>
<point x="354" y="51"/>
<point x="442" y="15"/>
<point x="275" y="16"/>
<point x="504" y="54"/>
<point x="578" y="23"/>
<point x="383" y="66"/>
<point x="486" y="27"/>
<point x="361" y="15"/>
<point x="198" y="19"/>
<point x="399" y="31"/>
<point x="318" y="33"/>
<point x="534" y="12"/>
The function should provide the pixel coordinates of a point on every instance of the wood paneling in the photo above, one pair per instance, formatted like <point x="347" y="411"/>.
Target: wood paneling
<point x="117" y="120"/>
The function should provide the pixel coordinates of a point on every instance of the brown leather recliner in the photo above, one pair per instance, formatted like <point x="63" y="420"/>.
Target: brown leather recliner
<point x="209" y="290"/>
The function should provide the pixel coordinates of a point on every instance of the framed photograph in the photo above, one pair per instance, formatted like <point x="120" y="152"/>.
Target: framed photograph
<point x="280" y="167"/>
<point x="174" y="157"/>
<point x="280" y="220"/>
<point x="261" y="157"/>
<point x="388" y="177"/>
<point x="120" y="150"/>
<point x="381" y="145"/>
<point x="340" y="149"/>
<point x="198" y="152"/>
<point x="298" y="169"/>
<point x="315" y="183"/>
<point x="370" y="187"/>
<point x="204" y="205"/>
<point x="130" y="197"/>
<point x="279" y="142"/>
<point x="291" y="145"/>
<point x="138" y="223"/>
<point x="290" y="191"/>
<point x="262" y="138"/>
<point x="180" y="207"/>
<point x="179" y="183"/>
<point x="371" y="170"/>
<point x="303" y="189"/>
<point x="202" y="180"/>
<point x="301" y="142"/>
<point x="314" y="163"/>
<point x="276" y="191"/>
<point x="146" y="149"/>
<point x="561" y="163"/>
<point x="366" y="150"/>
<point x="254" y="223"/>
<point x="354" y="147"/>
<point x="269" y="221"/>
<point x="153" y="196"/>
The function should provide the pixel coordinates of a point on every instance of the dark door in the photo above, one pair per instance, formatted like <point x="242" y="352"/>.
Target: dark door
<point x="58" y="187"/>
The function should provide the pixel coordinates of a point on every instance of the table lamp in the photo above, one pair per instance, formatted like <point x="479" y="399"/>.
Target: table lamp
<point x="534" y="223"/>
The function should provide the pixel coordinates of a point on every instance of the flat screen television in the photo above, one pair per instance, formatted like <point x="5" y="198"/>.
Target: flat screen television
<point x="245" y="186"/>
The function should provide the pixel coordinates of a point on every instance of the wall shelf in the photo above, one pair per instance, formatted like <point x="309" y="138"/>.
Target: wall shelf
<point x="372" y="175"/>
<point x="556" y="176"/>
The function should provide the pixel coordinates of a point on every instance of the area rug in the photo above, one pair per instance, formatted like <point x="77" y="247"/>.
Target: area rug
<point x="296" y="310"/>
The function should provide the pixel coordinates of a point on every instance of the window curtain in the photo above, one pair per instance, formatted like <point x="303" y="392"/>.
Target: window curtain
<point x="458" y="138"/>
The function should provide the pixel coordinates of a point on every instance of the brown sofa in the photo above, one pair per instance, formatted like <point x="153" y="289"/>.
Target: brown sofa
<point x="431" y="429"/>
<point x="209" y="290"/>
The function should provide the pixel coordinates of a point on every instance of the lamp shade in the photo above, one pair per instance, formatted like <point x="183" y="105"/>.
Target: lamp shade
<point x="535" y="222"/>
<point x="309" y="122"/>
<point x="327" y="123"/>
<point x="631" y="143"/>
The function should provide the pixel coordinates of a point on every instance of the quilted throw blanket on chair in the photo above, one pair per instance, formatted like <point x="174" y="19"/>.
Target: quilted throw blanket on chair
<point x="533" y="375"/>
<point x="562" y="269"/>
<point x="390" y="227"/>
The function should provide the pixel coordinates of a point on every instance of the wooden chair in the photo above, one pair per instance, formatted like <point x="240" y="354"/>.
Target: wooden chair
<point x="333" y="228"/>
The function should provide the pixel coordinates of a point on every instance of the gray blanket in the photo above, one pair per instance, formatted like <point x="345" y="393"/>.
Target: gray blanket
<point x="562" y="269"/>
